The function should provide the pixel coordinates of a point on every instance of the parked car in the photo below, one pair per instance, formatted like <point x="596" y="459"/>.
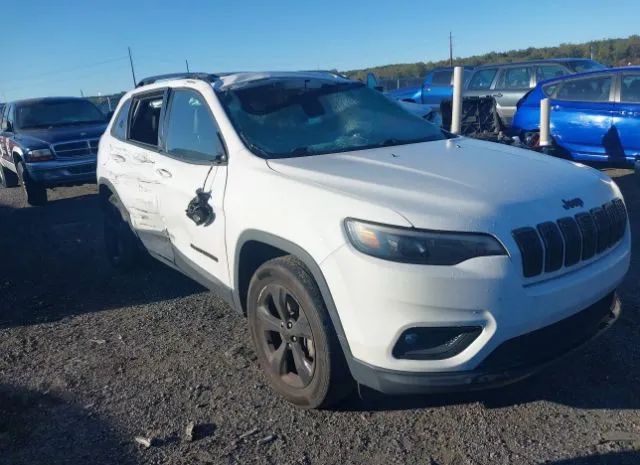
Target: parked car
<point x="359" y="240"/>
<point x="436" y="87"/>
<point x="49" y="142"/>
<point x="508" y="82"/>
<point x="594" y="116"/>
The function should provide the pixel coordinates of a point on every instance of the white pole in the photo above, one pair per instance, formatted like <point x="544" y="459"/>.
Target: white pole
<point x="456" y="104"/>
<point x="545" y="123"/>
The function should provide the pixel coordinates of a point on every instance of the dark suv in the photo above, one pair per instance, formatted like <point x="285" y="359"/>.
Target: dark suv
<point x="49" y="142"/>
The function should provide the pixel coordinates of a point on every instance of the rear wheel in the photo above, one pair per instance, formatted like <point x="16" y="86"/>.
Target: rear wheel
<point x="121" y="244"/>
<point x="8" y="178"/>
<point x="35" y="192"/>
<point x="295" y="341"/>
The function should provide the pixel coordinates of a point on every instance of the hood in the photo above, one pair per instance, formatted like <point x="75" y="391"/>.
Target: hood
<point x="457" y="184"/>
<point x="29" y="137"/>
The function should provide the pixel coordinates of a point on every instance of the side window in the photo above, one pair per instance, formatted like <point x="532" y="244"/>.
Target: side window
<point x="630" y="89"/>
<point x="550" y="89"/>
<point x="192" y="133"/>
<point x="515" y="78"/>
<point x="9" y="122"/>
<point x="595" y="89"/>
<point x="119" y="129"/>
<point x="145" y="119"/>
<point x="550" y="71"/>
<point x="442" y="78"/>
<point x="3" y="117"/>
<point x="482" y="79"/>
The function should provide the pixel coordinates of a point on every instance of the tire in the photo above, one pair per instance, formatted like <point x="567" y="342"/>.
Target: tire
<point x="8" y="178"/>
<point x="36" y="193"/>
<point x="295" y="341"/>
<point x="121" y="245"/>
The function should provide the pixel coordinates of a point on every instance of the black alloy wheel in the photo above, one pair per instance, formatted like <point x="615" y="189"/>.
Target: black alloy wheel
<point x="285" y="336"/>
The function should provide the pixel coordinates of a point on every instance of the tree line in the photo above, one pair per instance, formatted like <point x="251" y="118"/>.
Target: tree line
<point x="610" y="52"/>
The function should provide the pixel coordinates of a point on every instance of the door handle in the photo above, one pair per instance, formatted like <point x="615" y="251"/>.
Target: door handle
<point x="164" y="173"/>
<point x="118" y="158"/>
<point x="498" y="95"/>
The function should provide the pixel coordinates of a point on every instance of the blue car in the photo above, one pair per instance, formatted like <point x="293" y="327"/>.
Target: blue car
<point x="595" y="116"/>
<point x="436" y="87"/>
<point x="49" y="142"/>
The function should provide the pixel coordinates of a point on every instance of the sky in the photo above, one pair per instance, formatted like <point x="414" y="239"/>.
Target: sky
<point x="70" y="47"/>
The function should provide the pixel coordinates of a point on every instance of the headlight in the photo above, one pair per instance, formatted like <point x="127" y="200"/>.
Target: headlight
<point x="409" y="245"/>
<point x="40" y="155"/>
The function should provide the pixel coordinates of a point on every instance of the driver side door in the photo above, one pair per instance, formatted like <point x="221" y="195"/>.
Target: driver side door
<point x="192" y="159"/>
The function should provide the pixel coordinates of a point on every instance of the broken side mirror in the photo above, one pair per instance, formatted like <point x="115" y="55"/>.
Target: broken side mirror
<point x="199" y="211"/>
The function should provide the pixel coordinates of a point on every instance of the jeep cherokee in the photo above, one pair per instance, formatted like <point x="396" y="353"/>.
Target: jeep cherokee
<point x="361" y="242"/>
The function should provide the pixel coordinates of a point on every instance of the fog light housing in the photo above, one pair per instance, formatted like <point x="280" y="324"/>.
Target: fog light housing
<point x="437" y="343"/>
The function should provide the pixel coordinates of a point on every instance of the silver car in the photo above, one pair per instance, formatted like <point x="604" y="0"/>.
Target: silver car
<point x="508" y="82"/>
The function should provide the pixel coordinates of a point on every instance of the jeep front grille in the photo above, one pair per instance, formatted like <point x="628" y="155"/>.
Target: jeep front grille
<point x="77" y="148"/>
<point x="567" y="241"/>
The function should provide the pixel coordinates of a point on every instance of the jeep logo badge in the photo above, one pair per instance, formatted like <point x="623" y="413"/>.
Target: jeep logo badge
<point x="573" y="203"/>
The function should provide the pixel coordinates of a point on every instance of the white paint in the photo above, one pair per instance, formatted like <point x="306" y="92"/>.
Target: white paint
<point x="452" y="185"/>
<point x="545" y="122"/>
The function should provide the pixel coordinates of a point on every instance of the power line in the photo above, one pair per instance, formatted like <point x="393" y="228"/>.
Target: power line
<point x="41" y="76"/>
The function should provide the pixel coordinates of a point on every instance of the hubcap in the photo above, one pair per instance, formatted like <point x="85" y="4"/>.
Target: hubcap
<point x="285" y="336"/>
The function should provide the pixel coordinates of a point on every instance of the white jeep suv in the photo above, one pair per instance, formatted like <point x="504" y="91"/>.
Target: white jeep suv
<point x="361" y="242"/>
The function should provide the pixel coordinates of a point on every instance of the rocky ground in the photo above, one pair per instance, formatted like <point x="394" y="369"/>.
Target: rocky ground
<point x="98" y="367"/>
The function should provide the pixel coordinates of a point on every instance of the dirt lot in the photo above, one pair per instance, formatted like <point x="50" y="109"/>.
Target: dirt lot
<point x="91" y="359"/>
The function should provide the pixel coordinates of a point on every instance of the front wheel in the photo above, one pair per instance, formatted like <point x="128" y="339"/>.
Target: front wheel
<point x="35" y="192"/>
<point x="296" y="344"/>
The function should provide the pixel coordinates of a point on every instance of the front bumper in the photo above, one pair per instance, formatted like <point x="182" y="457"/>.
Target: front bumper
<point x="63" y="172"/>
<point x="512" y="361"/>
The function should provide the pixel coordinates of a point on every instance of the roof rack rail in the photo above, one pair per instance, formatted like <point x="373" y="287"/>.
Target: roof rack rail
<point x="165" y="77"/>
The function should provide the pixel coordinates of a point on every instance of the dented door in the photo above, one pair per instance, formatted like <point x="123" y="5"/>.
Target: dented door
<point x="137" y="185"/>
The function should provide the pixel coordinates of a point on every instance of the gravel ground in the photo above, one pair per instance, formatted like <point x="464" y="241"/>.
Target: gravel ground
<point x="91" y="359"/>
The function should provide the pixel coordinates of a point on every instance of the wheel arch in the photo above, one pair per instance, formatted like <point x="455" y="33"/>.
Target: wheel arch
<point x="271" y="246"/>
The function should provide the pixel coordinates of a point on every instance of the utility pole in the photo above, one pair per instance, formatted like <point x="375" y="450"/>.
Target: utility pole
<point x="450" y="49"/>
<point x="591" y="51"/>
<point x="133" y="73"/>
<point x="187" y="62"/>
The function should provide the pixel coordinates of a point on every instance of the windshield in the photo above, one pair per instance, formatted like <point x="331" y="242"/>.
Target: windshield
<point x="580" y="66"/>
<point x="301" y="117"/>
<point x="46" y="114"/>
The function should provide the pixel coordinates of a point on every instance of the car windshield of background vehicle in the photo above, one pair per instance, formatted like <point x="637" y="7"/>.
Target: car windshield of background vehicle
<point x="39" y="115"/>
<point x="301" y="117"/>
<point x="580" y="66"/>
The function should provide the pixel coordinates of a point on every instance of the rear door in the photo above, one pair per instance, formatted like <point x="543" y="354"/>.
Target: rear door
<point x="581" y="117"/>
<point x="626" y="117"/>
<point x="133" y="173"/>
<point x="438" y="87"/>
<point x="512" y="83"/>
<point x="193" y="159"/>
